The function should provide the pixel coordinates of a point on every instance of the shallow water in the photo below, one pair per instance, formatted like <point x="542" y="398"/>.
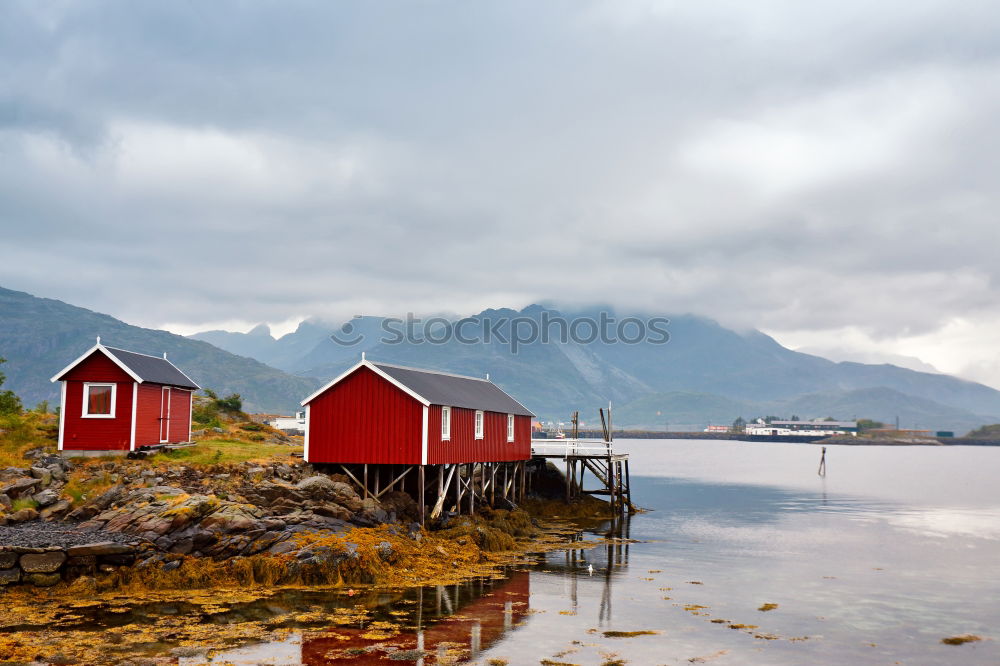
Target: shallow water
<point x="895" y="549"/>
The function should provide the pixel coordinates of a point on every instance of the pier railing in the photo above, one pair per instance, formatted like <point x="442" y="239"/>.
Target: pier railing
<point x="570" y="447"/>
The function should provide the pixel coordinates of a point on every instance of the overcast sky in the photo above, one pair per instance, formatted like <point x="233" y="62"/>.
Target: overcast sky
<point x="824" y="171"/>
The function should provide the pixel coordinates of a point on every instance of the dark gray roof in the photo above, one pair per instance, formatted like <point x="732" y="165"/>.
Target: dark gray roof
<point x="153" y="369"/>
<point x="440" y="388"/>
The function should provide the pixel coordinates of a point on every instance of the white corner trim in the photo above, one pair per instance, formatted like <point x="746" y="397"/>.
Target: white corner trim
<point x="62" y="416"/>
<point x="114" y="400"/>
<point x="305" y="443"/>
<point x="190" y="411"/>
<point x="90" y="351"/>
<point x="371" y="366"/>
<point x="423" y="444"/>
<point x="135" y="400"/>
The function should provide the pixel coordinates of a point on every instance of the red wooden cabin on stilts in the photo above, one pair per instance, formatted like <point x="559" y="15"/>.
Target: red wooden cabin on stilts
<point x="379" y="422"/>
<point x="115" y="400"/>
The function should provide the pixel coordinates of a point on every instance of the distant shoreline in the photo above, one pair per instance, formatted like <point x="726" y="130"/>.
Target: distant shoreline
<point x="805" y="439"/>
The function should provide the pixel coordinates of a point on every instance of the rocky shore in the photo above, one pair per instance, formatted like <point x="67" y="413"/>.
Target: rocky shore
<point x="273" y="523"/>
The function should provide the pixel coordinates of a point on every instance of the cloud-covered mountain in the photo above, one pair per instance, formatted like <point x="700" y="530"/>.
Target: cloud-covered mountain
<point x="704" y="373"/>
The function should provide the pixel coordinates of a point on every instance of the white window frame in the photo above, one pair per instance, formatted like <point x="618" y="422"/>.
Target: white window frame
<point x="445" y="424"/>
<point x="510" y="427"/>
<point x="86" y="400"/>
<point x="479" y="423"/>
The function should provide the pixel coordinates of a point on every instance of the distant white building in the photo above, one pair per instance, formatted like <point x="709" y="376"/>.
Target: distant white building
<point x="791" y="428"/>
<point x="291" y="425"/>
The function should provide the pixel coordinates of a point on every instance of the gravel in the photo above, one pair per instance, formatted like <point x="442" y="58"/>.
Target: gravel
<point x="40" y="535"/>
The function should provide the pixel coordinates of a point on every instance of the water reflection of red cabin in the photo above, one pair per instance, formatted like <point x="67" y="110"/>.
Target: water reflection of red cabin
<point x="471" y="629"/>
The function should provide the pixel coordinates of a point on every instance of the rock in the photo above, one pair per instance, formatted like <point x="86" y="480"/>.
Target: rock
<point x="56" y="510"/>
<point x="43" y="475"/>
<point x="43" y="579"/>
<point x="331" y="510"/>
<point x="20" y="488"/>
<point x="5" y="501"/>
<point x="57" y="472"/>
<point x="384" y="550"/>
<point x="316" y="484"/>
<point x="46" y="497"/>
<point x="170" y="566"/>
<point x="188" y="651"/>
<point x="23" y="515"/>
<point x="100" y="548"/>
<point x="7" y="559"/>
<point x="108" y="497"/>
<point x="42" y="562"/>
<point x="8" y="576"/>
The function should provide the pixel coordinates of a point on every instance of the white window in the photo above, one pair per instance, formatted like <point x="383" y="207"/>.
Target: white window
<point x="445" y="423"/>
<point x="479" y="424"/>
<point x="510" y="427"/>
<point x="99" y="400"/>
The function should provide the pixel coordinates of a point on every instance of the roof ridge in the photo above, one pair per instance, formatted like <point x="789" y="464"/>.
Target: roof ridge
<point x="129" y="351"/>
<point x="431" y="372"/>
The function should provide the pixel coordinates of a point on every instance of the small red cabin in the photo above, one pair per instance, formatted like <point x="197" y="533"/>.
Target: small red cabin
<point x="117" y="400"/>
<point x="382" y="414"/>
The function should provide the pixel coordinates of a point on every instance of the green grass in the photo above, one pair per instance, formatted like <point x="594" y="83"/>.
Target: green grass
<point x="23" y="503"/>
<point x="216" y="451"/>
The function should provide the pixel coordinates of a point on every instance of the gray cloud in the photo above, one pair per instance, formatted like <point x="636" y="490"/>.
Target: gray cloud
<point x="797" y="167"/>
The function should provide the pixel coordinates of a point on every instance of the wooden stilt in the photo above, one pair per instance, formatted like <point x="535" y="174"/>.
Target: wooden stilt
<point x="366" y="481"/>
<point x="420" y="491"/>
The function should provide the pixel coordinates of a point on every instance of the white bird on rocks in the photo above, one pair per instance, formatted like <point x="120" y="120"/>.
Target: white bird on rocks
<point x="590" y="569"/>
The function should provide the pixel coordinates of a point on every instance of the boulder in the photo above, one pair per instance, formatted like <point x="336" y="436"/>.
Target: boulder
<point x="43" y="580"/>
<point x="46" y="498"/>
<point x="7" y="559"/>
<point x="316" y="485"/>
<point x="23" y="515"/>
<point x="99" y="548"/>
<point x="42" y="562"/>
<point x="21" y="487"/>
<point x="43" y="475"/>
<point x="8" y="576"/>
<point x="56" y="510"/>
<point x="5" y="501"/>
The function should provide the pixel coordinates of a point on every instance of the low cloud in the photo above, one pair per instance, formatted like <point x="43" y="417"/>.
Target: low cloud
<point x="803" y="170"/>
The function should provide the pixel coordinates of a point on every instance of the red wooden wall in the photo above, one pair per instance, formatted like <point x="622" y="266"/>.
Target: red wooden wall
<point x="365" y="419"/>
<point x="80" y="434"/>
<point x="463" y="447"/>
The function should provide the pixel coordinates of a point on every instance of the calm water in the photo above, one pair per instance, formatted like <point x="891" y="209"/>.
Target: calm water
<point x="893" y="550"/>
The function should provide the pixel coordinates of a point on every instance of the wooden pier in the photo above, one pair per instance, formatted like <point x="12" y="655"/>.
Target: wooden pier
<point x="597" y="456"/>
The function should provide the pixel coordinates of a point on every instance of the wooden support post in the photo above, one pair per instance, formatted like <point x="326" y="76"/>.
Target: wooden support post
<point x="628" y="488"/>
<point x="378" y="469"/>
<point x="366" y="481"/>
<point x="506" y="472"/>
<point x="443" y="487"/>
<point x="493" y="484"/>
<point x="420" y="492"/>
<point x="568" y="465"/>
<point x="472" y="489"/>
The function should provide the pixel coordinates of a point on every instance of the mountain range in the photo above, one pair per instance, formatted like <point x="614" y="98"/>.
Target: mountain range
<point x="705" y="373"/>
<point x="40" y="336"/>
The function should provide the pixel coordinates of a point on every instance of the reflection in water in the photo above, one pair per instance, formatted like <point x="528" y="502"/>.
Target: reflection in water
<point x="456" y="621"/>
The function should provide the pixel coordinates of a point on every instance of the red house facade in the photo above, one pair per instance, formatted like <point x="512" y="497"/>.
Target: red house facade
<point x="117" y="400"/>
<point x="383" y="414"/>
